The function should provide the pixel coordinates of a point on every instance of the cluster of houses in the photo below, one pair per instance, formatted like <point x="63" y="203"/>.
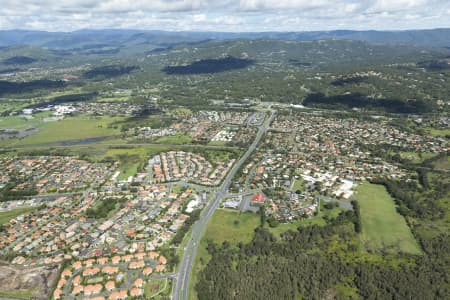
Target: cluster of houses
<point x="329" y="155"/>
<point x="109" y="277"/>
<point x="291" y="206"/>
<point x="146" y="217"/>
<point x="213" y="126"/>
<point x="46" y="234"/>
<point x="149" y="219"/>
<point x="225" y="135"/>
<point x="347" y="135"/>
<point x="47" y="174"/>
<point x="224" y="117"/>
<point x="206" y="126"/>
<point x="190" y="167"/>
<point x="147" y="132"/>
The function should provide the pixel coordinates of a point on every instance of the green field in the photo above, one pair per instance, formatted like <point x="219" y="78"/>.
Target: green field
<point x="133" y="158"/>
<point x="217" y="143"/>
<point x="18" y="294"/>
<point x="75" y="128"/>
<point x="231" y="226"/>
<point x="8" y="215"/>
<point x="17" y="122"/>
<point x="299" y="184"/>
<point x="416" y="157"/>
<point x="382" y="227"/>
<point x="178" y="139"/>
<point x="156" y="289"/>
<point x="438" y="132"/>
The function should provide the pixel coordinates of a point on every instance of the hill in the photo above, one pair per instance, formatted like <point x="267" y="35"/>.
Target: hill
<point x="115" y="37"/>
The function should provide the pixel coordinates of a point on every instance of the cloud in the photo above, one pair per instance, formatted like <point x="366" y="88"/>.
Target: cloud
<point x="225" y="15"/>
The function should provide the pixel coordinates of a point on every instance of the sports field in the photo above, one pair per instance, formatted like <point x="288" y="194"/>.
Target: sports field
<point x="382" y="227"/>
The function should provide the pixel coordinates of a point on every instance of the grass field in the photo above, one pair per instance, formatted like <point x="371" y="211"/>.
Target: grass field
<point x="217" y="143"/>
<point x="75" y="128"/>
<point x="18" y="294"/>
<point x="299" y="184"/>
<point x="178" y="139"/>
<point x="17" y="122"/>
<point x="156" y="289"/>
<point x="382" y="227"/>
<point x="133" y="158"/>
<point x="8" y="215"/>
<point x="415" y="157"/>
<point x="438" y="132"/>
<point x="231" y="226"/>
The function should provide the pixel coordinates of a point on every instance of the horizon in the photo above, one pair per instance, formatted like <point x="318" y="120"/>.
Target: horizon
<point x="226" y="32"/>
<point x="225" y="16"/>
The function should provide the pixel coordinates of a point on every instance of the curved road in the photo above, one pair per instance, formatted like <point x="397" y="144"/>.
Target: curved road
<point x="182" y="280"/>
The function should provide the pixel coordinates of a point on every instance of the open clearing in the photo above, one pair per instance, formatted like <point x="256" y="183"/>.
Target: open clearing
<point x="76" y="128"/>
<point x="231" y="226"/>
<point x="382" y="227"/>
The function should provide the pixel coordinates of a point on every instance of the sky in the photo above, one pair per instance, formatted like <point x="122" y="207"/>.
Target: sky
<point x="224" y="15"/>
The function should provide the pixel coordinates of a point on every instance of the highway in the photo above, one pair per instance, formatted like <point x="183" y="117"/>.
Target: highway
<point x="181" y="283"/>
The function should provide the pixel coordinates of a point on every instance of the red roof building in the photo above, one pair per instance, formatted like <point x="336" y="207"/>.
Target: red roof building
<point x="258" y="199"/>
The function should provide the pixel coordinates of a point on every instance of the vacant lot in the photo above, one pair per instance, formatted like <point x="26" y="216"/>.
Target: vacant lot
<point x="382" y="227"/>
<point x="76" y="128"/>
<point x="26" y="283"/>
<point x="178" y="139"/>
<point x="231" y="226"/>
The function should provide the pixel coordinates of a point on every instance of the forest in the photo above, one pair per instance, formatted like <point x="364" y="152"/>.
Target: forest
<point x="209" y="66"/>
<point x="326" y="262"/>
<point x="109" y="71"/>
<point x="19" y="60"/>
<point x="9" y="87"/>
<point x="357" y="100"/>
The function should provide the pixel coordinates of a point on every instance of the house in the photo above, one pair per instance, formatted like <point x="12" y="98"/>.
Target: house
<point x="90" y="272"/>
<point x="66" y="273"/>
<point x="160" y="268"/>
<point x="119" y="295"/>
<point x="136" y="265"/>
<point x="76" y="281"/>
<point x="138" y="282"/>
<point x="110" y="285"/>
<point x="110" y="270"/>
<point x="57" y="294"/>
<point x="147" y="271"/>
<point x="77" y="290"/>
<point x="136" y="292"/>
<point x="258" y="199"/>
<point x="116" y="259"/>
<point x="92" y="289"/>
<point x="162" y="260"/>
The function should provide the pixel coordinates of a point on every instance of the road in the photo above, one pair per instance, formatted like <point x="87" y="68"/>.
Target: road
<point x="181" y="285"/>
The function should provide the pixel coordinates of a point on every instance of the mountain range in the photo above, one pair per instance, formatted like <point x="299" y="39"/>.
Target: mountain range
<point x="436" y="38"/>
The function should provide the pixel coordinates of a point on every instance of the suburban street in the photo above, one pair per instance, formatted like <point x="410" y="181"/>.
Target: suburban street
<point x="181" y="283"/>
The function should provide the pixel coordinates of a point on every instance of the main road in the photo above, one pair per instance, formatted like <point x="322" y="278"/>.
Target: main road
<point x="181" y="285"/>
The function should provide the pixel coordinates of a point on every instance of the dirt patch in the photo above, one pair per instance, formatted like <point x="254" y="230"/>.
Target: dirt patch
<point x="26" y="283"/>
